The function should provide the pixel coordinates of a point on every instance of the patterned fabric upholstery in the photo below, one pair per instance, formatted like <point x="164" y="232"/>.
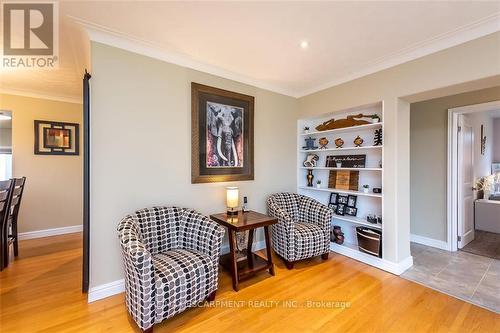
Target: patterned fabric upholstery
<point x="302" y="233"/>
<point x="170" y="256"/>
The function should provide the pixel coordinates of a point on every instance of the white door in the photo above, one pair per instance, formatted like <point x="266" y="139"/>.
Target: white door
<point x="465" y="182"/>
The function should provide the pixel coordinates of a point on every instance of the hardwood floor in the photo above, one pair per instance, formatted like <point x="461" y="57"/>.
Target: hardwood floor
<point x="40" y="292"/>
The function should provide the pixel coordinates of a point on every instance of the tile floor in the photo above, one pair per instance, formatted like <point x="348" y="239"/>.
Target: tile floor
<point x="467" y="276"/>
<point x="485" y="244"/>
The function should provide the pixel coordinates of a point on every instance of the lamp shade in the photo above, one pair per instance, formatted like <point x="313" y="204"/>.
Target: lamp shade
<point x="232" y="198"/>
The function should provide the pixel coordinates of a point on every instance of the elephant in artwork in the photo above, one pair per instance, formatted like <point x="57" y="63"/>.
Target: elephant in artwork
<point x="225" y="126"/>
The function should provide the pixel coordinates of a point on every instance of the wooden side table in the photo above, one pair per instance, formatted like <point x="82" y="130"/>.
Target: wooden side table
<point x="253" y="262"/>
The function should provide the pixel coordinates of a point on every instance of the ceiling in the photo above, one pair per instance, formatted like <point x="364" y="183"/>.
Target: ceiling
<point x="259" y="42"/>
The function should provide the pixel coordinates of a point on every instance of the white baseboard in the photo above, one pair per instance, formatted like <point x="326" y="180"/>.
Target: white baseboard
<point x="50" y="232"/>
<point x="386" y="265"/>
<point x="106" y="290"/>
<point x="118" y="286"/>
<point x="430" y="242"/>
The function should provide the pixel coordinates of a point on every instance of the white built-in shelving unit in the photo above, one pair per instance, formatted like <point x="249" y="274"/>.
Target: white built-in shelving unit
<point x="372" y="174"/>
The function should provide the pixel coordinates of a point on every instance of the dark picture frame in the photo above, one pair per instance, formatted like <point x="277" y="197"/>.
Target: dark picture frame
<point x="340" y="209"/>
<point x="222" y="131"/>
<point x="333" y="198"/>
<point x="352" y="211"/>
<point x="351" y="200"/>
<point x="342" y="199"/>
<point x="56" y="138"/>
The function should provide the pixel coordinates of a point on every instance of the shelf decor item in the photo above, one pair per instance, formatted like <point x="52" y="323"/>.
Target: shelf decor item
<point x="339" y="142"/>
<point x="56" y="138"/>
<point x="377" y="141"/>
<point x="349" y="121"/>
<point x="358" y="141"/>
<point x="222" y="135"/>
<point x="311" y="160"/>
<point x="369" y="241"/>
<point x="318" y="184"/>
<point x="310" y="178"/>
<point x="323" y="142"/>
<point x="337" y="235"/>
<point x="338" y="164"/>
<point x="351" y="211"/>
<point x="343" y="180"/>
<point x="340" y="209"/>
<point x="310" y="144"/>
<point x="366" y="188"/>
<point x="342" y="199"/>
<point x="483" y="140"/>
<point x="375" y="118"/>
<point x="377" y="190"/>
<point x="333" y="198"/>
<point x="232" y="200"/>
<point x="347" y="161"/>
<point x="351" y="200"/>
<point x="306" y="129"/>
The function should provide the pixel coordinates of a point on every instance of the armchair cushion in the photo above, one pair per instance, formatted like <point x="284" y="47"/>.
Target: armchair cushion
<point x="184" y="278"/>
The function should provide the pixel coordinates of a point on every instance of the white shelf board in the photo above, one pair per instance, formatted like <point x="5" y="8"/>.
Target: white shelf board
<point x="339" y="149"/>
<point x="345" y="129"/>
<point x="357" y="220"/>
<point x="375" y="195"/>
<point x="332" y="168"/>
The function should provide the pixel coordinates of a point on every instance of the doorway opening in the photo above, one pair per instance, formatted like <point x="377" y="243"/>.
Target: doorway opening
<point x="474" y="179"/>
<point x="5" y="145"/>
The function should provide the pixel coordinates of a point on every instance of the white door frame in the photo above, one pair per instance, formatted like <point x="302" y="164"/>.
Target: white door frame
<point x="452" y="174"/>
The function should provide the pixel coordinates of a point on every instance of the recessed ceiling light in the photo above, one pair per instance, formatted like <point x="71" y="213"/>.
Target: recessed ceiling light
<point x="5" y="116"/>
<point x="304" y="44"/>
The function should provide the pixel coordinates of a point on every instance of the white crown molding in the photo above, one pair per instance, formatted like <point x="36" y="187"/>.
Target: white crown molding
<point x="466" y="33"/>
<point x="104" y="35"/>
<point x="50" y="232"/>
<point x="31" y="94"/>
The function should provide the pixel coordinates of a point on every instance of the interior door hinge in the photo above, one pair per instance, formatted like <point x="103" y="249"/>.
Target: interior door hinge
<point x="459" y="238"/>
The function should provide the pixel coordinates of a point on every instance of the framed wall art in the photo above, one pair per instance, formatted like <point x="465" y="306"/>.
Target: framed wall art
<point x="222" y="135"/>
<point x="56" y="138"/>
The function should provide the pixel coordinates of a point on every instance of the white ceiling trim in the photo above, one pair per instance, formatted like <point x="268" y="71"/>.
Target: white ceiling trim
<point x="481" y="28"/>
<point x="478" y="29"/>
<point x="104" y="35"/>
<point x="31" y="94"/>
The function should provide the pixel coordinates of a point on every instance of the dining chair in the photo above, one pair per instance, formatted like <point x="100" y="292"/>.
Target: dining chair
<point x="17" y="194"/>
<point x="6" y="187"/>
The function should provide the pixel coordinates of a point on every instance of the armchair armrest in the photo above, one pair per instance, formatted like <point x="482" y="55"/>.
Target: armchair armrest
<point x="139" y="274"/>
<point x="200" y="233"/>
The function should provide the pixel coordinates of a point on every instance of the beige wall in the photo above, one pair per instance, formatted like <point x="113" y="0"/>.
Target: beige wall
<point x="141" y="146"/>
<point x="53" y="193"/>
<point x="496" y="140"/>
<point x="468" y="62"/>
<point x="429" y="137"/>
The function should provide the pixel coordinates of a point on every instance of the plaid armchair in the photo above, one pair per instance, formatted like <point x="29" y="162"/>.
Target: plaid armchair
<point x="171" y="260"/>
<point x="303" y="228"/>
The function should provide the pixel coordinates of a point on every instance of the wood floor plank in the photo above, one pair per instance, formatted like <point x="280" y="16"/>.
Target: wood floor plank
<point x="40" y="292"/>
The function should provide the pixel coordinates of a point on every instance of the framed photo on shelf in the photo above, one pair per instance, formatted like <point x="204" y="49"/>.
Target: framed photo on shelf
<point x="351" y="200"/>
<point x="351" y="211"/>
<point x="333" y="206"/>
<point x="333" y="198"/>
<point x="341" y="209"/>
<point x="342" y="199"/>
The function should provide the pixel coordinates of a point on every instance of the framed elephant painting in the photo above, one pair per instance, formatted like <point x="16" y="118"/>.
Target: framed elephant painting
<point x="222" y="135"/>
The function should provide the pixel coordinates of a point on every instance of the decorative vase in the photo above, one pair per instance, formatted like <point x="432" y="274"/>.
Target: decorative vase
<point x="486" y="194"/>
<point x="338" y="235"/>
<point x="310" y="178"/>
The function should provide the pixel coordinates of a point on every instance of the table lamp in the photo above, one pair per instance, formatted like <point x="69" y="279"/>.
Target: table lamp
<point x="232" y="198"/>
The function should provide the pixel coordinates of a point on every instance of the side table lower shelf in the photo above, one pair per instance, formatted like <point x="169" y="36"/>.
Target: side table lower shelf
<point x="246" y="269"/>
